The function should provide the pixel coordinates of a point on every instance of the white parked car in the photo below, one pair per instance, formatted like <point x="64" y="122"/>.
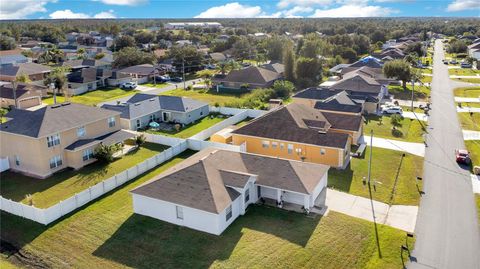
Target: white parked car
<point x="392" y="110"/>
<point x="128" y="85"/>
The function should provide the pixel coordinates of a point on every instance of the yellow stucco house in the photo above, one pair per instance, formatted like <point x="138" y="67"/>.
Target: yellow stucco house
<point x="299" y="132"/>
<point x="41" y="142"/>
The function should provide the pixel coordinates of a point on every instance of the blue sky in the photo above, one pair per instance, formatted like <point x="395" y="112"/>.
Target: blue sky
<point x="56" y="9"/>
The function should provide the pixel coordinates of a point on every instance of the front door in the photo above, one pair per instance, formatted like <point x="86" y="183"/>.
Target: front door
<point x="259" y="192"/>
<point x="166" y="116"/>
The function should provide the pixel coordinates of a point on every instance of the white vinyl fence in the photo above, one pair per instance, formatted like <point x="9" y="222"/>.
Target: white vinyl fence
<point x="48" y="215"/>
<point x="4" y="164"/>
<point x="252" y="113"/>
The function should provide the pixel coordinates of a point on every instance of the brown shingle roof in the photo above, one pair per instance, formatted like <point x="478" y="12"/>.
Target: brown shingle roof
<point x="251" y="75"/>
<point x="202" y="181"/>
<point x="288" y="124"/>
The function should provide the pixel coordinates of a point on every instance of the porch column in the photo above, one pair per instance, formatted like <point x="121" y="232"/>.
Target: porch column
<point x="279" y="197"/>
<point x="306" y="201"/>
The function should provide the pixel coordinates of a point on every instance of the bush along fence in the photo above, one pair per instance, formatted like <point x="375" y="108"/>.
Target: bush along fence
<point x="48" y="215"/>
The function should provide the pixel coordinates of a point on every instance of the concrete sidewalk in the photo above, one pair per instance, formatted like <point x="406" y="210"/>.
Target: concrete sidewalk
<point x="397" y="216"/>
<point x="471" y="135"/>
<point x="468" y="109"/>
<point x="409" y="147"/>
<point x="456" y="76"/>
<point x="467" y="99"/>
<point x="475" y="183"/>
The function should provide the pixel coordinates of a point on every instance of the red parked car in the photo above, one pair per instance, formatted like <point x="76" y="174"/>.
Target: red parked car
<point x="462" y="156"/>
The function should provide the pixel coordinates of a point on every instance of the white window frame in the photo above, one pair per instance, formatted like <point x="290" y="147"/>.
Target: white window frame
<point x="298" y="151"/>
<point x="179" y="211"/>
<point x="228" y="213"/>
<point x="56" y="161"/>
<point x="81" y="131"/>
<point x="87" y="154"/>
<point x="282" y="146"/>
<point x="53" y="140"/>
<point x="138" y="123"/>
<point x="290" y="148"/>
<point x="322" y="151"/>
<point x="265" y="144"/>
<point x="111" y="122"/>
<point x="274" y="145"/>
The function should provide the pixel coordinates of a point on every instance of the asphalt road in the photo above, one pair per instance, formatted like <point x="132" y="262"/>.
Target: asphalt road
<point x="152" y="90"/>
<point x="447" y="232"/>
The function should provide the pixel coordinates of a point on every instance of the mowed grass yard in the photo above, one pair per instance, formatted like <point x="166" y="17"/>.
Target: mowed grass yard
<point x="191" y="129"/>
<point x="477" y="198"/>
<point x="62" y="185"/>
<point x="468" y="80"/>
<point x="93" y="97"/>
<point x="466" y="104"/>
<point x="158" y="85"/>
<point x="467" y="92"/>
<point x="463" y="72"/>
<point x="420" y="93"/>
<point x="106" y="234"/>
<point x="209" y="96"/>
<point x="388" y="166"/>
<point x="409" y="131"/>
<point x="473" y="146"/>
<point x="469" y="122"/>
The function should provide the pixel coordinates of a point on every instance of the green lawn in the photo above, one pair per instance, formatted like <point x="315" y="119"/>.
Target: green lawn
<point x="467" y="92"/>
<point x="387" y="165"/>
<point x="468" y="80"/>
<point x="93" y="97"/>
<point x="473" y="146"/>
<point x="477" y="197"/>
<point x="410" y="131"/>
<point x="420" y="93"/>
<point x="49" y="191"/>
<point x="466" y="104"/>
<point x="415" y="109"/>
<point x="469" y="122"/>
<point x="158" y="85"/>
<point x="463" y="72"/>
<point x="106" y="234"/>
<point x="426" y="79"/>
<point x="191" y="129"/>
<point x="209" y="96"/>
<point x="424" y="70"/>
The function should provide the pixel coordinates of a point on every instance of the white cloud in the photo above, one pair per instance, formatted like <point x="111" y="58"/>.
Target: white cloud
<point x="105" y="15"/>
<point x="303" y="3"/>
<point x="123" y="2"/>
<point x="20" y="9"/>
<point x="354" y="10"/>
<point x="460" y="5"/>
<point x="297" y="10"/>
<point x="68" y="14"/>
<point x="232" y="10"/>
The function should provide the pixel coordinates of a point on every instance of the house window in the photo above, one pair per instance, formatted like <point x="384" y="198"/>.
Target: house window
<point x="53" y="140"/>
<point x="87" y="154"/>
<point x="90" y="86"/>
<point x="247" y="195"/>
<point x="179" y="212"/>
<point x="17" y="160"/>
<point x="229" y="212"/>
<point x="282" y="146"/>
<point x="298" y="151"/>
<point x="152" y="117"/>
<point x="290" y="148"/>
<point x="274" y="145"/>
<point x="111" y="122"/>
<point x="81" y="131"/>
<point x="138" y="123"/>
<point x="265" y="144"/>
<point x="201" y="113"/>
<point x="322" y="151"/>
<point x="55" y="162"/>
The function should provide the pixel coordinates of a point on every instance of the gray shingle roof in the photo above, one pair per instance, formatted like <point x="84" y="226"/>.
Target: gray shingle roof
<point x="23" y="68"/>
<point x="108" y="139"/>
<point x="53" y="119"/>
<point x="202" y="181"/>
<point x="250" y="75"/>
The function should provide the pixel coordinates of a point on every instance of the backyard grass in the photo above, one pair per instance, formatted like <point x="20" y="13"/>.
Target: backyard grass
<point x="477" y="198"/>
<point x="467" y="92"/>
<point x="62" y="185"/>
<point x="426" y="79"/>
<point x="420" y="93"/>
<point x="191" y="129"/>
<point x="387" y="165"/>
<point x="93" y="97"/>
<point x="106" y="234"/>
<point x="473" y="146"/>
<point x="409" y="131"/>
<point x="466" y="104"/>
<point x="210" y="96"/>
<point x="469" y="122"/>
<point x="463" y="72"/>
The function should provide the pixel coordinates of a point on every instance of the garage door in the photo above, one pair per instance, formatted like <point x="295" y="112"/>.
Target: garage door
<point x="26" y="103"/>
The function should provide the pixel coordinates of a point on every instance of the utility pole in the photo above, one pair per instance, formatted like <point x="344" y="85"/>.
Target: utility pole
<point x="370" y="158"/>
<point x="183" y="72"/>
<point x="413" y="90"/>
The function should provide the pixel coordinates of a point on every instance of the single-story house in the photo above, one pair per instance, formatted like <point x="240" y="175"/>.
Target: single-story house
<point x="27" y="95"/>
<point x="299" y="132"/>
<point x="209" y="190"/>
<point x="82" y="81"/>
<point x="248" y="78"/>
<point x="275" y="67"/>
<point x="35" y="72"/>
<point x="142" y="109"/>
<point x="118" y="78"/>
<point x="142" y="73"/>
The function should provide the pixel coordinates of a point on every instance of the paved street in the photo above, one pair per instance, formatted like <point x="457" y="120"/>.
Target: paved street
<point x="152" y="90"/>
<point x="447" y="230"/>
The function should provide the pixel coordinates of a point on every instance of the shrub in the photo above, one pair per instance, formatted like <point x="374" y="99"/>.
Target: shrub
<point x="104" y="153"/>
<point x="396" y="121"/>
<point x="140" y="140"/>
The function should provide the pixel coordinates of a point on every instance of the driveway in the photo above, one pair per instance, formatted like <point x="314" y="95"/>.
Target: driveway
<point x="409" y="147"/>
<point x="447" y="233"/>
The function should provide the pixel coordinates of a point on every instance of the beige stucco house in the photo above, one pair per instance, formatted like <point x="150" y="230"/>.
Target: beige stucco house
<point x="41" y="142"/>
